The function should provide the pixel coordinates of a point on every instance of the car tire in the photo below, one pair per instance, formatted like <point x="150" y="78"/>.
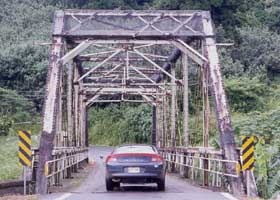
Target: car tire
<point x="161" y="185"/>
<point x="109" y="185"/>
<point x="116" y="184"/>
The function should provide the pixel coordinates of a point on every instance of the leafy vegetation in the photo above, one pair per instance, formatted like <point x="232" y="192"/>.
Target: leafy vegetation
<point x="9" y="168"/>
<point x="251" y="68"/>
<point x="118" y="124"/>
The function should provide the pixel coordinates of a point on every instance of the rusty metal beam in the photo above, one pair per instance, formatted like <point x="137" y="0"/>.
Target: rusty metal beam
<point x="50" y="112"/>
<point x="74" y="52"/>
<point x="222" y="113"/>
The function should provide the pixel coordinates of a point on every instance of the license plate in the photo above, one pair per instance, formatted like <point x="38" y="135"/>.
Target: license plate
<point x="133" y="170"/>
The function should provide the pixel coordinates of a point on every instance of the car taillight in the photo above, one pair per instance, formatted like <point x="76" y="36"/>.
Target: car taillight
<point x="111" y="159"/>
<point x="157" y="159"/>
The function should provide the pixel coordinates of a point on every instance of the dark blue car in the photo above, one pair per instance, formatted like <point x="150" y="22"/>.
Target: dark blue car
<point x="135" y="164"/>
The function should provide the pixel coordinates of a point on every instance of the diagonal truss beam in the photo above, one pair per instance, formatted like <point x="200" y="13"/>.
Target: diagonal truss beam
<point x="192" y="53"/>
<point x="99" y="65"/>
<point x="145" y="76"/>
<point x="76" y="51"/>
<point x="156" y="65"/>
<point x="91" y="100"/>
<point x="148" y="99"/>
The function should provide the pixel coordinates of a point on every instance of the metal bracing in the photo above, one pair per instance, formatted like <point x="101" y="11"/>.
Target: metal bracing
<point x="117" y="56"/>
<point x="192" y="53"/>
<point x="99" y="65"/>
<point x="74" y="52"/>
<point x="136" y="24"/>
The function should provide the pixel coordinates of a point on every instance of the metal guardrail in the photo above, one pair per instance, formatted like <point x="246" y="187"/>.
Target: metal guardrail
<point x="214" y="165"/>
<point x="200" y="164"/>
<point x="56" y="166"/>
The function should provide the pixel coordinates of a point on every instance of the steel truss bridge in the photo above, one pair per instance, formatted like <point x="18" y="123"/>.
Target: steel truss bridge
<point x="100" y="56"/>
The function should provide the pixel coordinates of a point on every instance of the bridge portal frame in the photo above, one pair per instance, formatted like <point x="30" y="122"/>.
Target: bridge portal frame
<point x="75" y="31"/>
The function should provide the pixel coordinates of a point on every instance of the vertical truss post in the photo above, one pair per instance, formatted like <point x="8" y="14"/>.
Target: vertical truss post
<point x="164" y="120"/>
<point x="173" y="113"/>
<point x="186" y="99"/>
<point x="159" y="128"/>
<point x="206" y="107"/>
<point x="206" y="115"/>
<point x="76" y="107"/>
<point x="185" y="170"/>
<point x="59" y="116"/>
<point x="87" y="127"/>
<point x="70" y="104"/>
<point x="154" y="125"/>
<point x="50" y="106"/>
<point x="219" y="97"/>
<point x="173" y="108"/>
<point x="81" y="118"/>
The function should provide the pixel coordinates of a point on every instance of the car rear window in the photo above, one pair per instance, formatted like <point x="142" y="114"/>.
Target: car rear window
<point x="135" y="149"/>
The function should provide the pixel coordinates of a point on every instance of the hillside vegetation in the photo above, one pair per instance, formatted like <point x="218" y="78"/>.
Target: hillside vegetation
<point x="251" y="68"/>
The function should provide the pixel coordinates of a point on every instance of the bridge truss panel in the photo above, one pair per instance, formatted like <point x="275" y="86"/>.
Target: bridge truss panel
<point x="133" y="24"/>
<point x="126" y="56"/>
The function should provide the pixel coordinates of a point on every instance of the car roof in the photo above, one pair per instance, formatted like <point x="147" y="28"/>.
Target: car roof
<point x="135" y="148"/>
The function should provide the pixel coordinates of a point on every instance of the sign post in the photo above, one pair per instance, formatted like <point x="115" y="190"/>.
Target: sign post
<point x="24" y="153"/>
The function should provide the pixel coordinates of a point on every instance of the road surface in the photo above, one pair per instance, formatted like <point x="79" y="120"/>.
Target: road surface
<point x="93" y="187"/>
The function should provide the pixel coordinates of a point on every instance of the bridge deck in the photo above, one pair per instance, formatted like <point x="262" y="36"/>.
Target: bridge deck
<point x="94" y="186"/>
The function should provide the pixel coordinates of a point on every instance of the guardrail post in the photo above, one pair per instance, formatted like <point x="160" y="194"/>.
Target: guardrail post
<point x="205" y="166"/>
<point x="68" y="170"/>
<point x="183" y="162"/>
<point x="186" y="168"/>
<point x="193" y="165"/>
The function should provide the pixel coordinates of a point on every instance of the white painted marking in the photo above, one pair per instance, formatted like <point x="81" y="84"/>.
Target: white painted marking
<point x="228" y="196"/>
<point x="63" y="196"/>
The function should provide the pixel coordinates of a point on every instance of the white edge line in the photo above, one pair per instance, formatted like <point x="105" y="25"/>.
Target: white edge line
<point x="64" y="196"/>
<point x="228" y="196"/>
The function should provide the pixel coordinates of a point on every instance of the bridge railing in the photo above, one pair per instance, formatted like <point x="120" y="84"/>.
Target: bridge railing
<point x="66" y="160"/>
<point x="203" y="165"/>
<point x="53" y="167"/>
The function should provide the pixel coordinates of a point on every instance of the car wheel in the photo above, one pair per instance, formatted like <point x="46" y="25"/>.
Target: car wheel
<point x="116" y="184"/>
<point x="109" y="185"/>
<point x="161" y="185"/>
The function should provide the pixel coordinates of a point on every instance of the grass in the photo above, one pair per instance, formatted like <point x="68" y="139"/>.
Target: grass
<point x="9" y="168"/>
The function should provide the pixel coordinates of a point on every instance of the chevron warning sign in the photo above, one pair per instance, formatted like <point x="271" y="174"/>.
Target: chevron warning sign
<point x="248" y="148"/>
<point x="24" y="151"/>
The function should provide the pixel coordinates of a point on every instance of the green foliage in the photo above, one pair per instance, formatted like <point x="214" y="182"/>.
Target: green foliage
<point x="258" y="52"/>
<point x="5" y="125"/>
<point x="23" y="62"/>
<point x="246" y="95"/>
<point x="16" y="106"/>
<point x="266" y="127"/>
<point x="117" y="124"/>
<point x="9" y="168"/>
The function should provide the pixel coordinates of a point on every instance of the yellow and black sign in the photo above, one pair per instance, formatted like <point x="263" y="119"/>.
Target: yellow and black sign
<point x="24" y="151"/>
<point x="248" y="147"/>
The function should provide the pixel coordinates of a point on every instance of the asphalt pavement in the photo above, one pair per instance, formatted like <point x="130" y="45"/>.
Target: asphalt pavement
<point x="93" y="187"/>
